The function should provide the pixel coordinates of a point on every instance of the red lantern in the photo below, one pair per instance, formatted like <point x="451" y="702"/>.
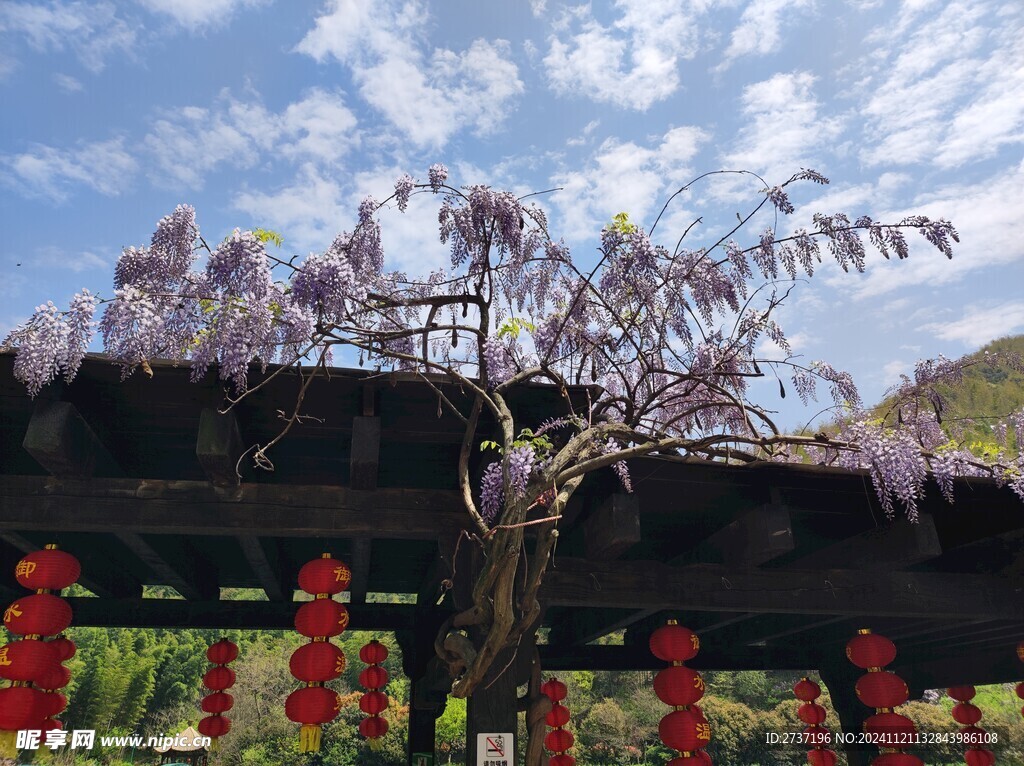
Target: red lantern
<point x="882" y="689"/>
<point x="324" y="575"/>
<point x="961" y="693"/>
<point x="222" y="652"/>
<point x="554" y="690"/>
<point x="41" y="614"/>
<point x="806" y="690"/>
<point x="312" y="705"/>
<point x="373" y="677"/>
<point x="979" y="757"/>
<point x="321" y="618"/>
<point x="218" y="702"/>
<point x="1020" y="690"/>
<point x="812" y="713"/>
<point x="219" y="678"/>
<point x="214" y="726"/>
<point x="373" y="727"/>
<point x="1020" y="651"/>
<point x="21" y="707"/>
<point x="373" y="703"/>
<point x="26" y="660"/>
<point x="64" y="648"/>
<point x="869" y="650"/>
<point x="897" y="759"/>
<point x="891" y="729"/>
<point x="51" y="724"/>
<point x="317" y="661"/>
<point x="564" y="760"/>
<point x="558" y="740"/>
<point x="674" y="643"/>
<point x="678" y="685"/>
<point x="966" y="713"/>
<point x="559" y="716"/>
<point x="822" y="758"/>
<point x="973" y="735"/>
<point x="56" y="677"/>
<point x="700" y="758"/>
<point x="48" y="569"/>
<point x="373" y="653"/>
<point x="685" y="729"/>
<point x="52" y="703"/>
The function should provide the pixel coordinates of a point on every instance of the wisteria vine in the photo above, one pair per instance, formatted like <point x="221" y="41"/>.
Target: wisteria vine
<point x="665" y="336"/>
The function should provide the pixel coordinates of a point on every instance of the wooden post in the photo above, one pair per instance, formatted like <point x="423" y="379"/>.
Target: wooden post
<point x="422" y="721"/>
<point x="841" y="677"/>
<point x="492" y="709"/>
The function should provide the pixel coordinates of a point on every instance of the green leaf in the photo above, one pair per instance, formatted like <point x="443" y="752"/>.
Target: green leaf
<point x="268" y="235"/>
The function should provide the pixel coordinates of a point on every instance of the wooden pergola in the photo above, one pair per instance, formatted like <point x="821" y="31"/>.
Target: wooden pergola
<point x="775" y="566"/>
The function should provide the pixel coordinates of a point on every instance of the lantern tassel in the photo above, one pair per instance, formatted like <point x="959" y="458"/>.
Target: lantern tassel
<point x="375" y="744"/>
<point x="214" y="744"/>
<point x="309" y="738"/>
<point x="9" y="744"/>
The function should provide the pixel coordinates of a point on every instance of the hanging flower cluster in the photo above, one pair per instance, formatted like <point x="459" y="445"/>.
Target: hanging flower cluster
<point x="814" y="715"/>
<point x="218" y="679"/>
<point x="319" y="661"/>
<point x="374" y="701"/>
<point x="559" y="739"/>
<point x="883" y="691"/>
<point x="969" y="715"/>
<point x="32" y="665"/>
<point x="684" y="729"/>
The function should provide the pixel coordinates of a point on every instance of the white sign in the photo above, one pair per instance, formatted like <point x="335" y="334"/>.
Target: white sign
<point x="495" y="749"/>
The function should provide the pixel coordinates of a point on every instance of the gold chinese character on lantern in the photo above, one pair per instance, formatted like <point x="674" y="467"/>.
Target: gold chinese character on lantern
<point x="343" y="620"/>
<point x="695" y="641"/>
<point x="704" y="731"/>
<point x="339" y="665"/>
<point x="12" y="612"/>
<point x="341" y="574"/>
<point x="3" y="657"/>
<point x="24" y="568"/>
<point x="698" y="683"/>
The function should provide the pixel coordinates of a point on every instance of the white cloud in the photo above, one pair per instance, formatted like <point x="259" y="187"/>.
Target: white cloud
<point x="943" y="85"/>
<point x="193" y="141"/>
<point x="986" y="215"/>
<point x="92" y="30"/>
<point x="981" y="324"/>
<point x="891" y="371"/>
<point x="623" y="176"/>
<point x="52" y="257"/>
<point x="783" y="128"/>
<point x="105" y="166"/>
<point x="316" y="207"/>
<point x="631" y="63"/>
<point x="760" y="29"/>
<point x="306" y="213"/>
<point x="194" y="14"/>
<point x="428" y="98"/>
<point x="67" y="83"/>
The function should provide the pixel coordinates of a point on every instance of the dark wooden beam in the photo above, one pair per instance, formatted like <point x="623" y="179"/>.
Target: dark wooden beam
<point x="359" y="561"/>
<point x="63" y="443"/>
<point x="935" y="670"/>
<point x="753" y="539"/>
<point x="223" y="615"/>
<point x="190" y="576"/>
<point x="219" y="446"/>
<point x="268" y="578"/>
<point x="613" y="528"/>
<point x="98" y="576"/>
<point x="195" y="508"/>
<point x="560" y="657"/>
<point x="650" y="585"/>
<point x="895" y="545"/>
<point x="365" y="458"/>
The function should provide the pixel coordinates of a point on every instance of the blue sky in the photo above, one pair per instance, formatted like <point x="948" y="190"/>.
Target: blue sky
<point x="284" y="114"/>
